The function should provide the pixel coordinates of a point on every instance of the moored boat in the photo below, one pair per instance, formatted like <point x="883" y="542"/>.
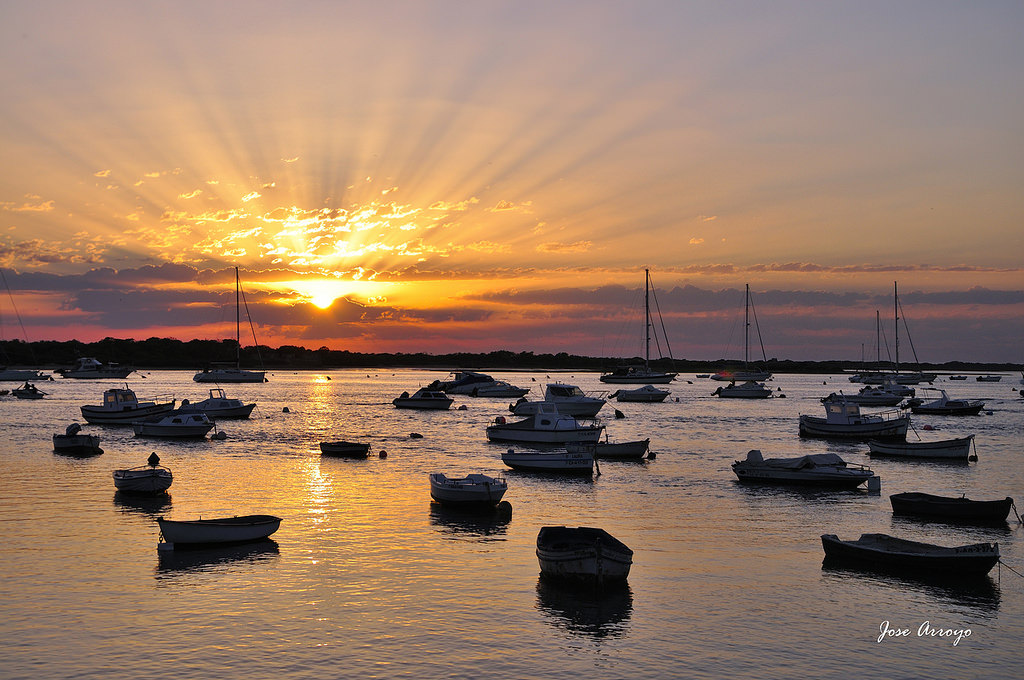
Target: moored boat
<point x="946" y="449"/>
<point x="889" y="553"/>
<point x="547" y="426"/>
<point x="818" y="469"/>
<point x="174" y="424"/>
<point x="562" y="462"/>
<point x="150" y="479"/>
<point x="425" y="399"/>
<point x="463" y="382"/>
<point x="499" y="388"/>
<point x="634" y="450"/>
<point x="989" y="378"/>
<point x="89" y="368"/>
<point x="646" y="394"/>
<point x="22" y="374"/>
<point x="122" y="407"/>
<point x="642" y="374"/>
<point x="232" y="372"/>
<point x="944" y="406"/>
<point x="582" y="553"/>
<point x="872" y="395"/>
<point x="220" y="531"/>
<point x="843" y="420"/>
<point x="956" y="508"/>
<point x="218" y="405"/>
<point x="474" y="489"/>
<point x="76" y="443"/>
<point x="745" y="390"/>
<point x="343" y="449"/>
<point x="569" y="399"/>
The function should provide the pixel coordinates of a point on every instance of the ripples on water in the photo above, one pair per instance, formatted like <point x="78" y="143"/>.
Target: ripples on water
<point x="367" y="578"/>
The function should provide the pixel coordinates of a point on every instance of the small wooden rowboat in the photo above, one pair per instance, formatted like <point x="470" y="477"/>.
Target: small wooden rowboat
<point x="582" y="553"/>
<point x="343" y="449"/>
<point x="888" y="553"/>
<point x="212" y="532"/>
<point x="957" y="509"/>
<point x="946" y="449"/>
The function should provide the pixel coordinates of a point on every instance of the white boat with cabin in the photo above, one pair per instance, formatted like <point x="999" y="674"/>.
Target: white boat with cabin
<point x="90" y="368"/>
<point x="122" y="407"/>
<point x="944" y="406"/>
<point x="646" y="394"/>
<point x="218" y="405"/>
<point x="569" y="399"/>
<point x="423" y="398"/>
<point x="546" y="426"/>
<point x="750" y="389"/>
<point x="499" y="388"/>
<point x="176" y="424"/>
<point x="844" y="420"/>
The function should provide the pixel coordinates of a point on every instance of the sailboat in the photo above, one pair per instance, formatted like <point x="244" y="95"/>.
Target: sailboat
<point x="641" y="375"/>
<point x="228" y="372"/>
<point x="747" y="373"/>
<point x="893" y="376"/>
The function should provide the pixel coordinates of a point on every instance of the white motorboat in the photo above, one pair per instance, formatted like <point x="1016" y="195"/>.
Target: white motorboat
<point x="499" y="388"/>
<point x="199" y="533"/>
<point x="218" y="405"/>
<point x="464" y="382"/>
<point x="819" y="469"/>
<point x="747" y="373"/>
<point x="582" y="553"/>
<point x="944" y="406"/>
<point x="122" y="407"/>
<point x="546" y="426"/>
<point x="642" y="375"/>
<point x="89" y="368"/>
<point x="148" y="479"/>
<point x="633" y="450"/>
<point x="580" y="462"/>
<point x="228" y="372"/>
<point x="194" y="425"/>
<point x="28" y="391"/>
<point x="22" y="374"/>
<point x="843" y="419"/>
<point x="423" y="398"/>
<point x="569" y="399"/>
<point x="474" y="489"/>
<point x="76" y="443"/>
<point x="871" y="395"/>
<point x="344" y="449"/>
<point x="945" y="449"/>
<point x="647" y="394"/>
<point x="745" y="390"/>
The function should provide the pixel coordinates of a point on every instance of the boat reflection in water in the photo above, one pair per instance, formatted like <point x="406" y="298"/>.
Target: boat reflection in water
<point x="585" y="610"/>
<point x="471" y="524"/>
<point x="142" y="504"/>
<point x="228" y="558"/>
<point x="981" y="595"/>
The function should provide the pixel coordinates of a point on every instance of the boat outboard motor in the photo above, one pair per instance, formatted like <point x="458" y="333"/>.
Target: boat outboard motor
<point x="72" y="429"/>
<point x="153" y="459"/>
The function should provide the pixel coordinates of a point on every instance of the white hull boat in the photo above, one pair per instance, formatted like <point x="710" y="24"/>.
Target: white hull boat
<point x="122" y="407"/>
<point x="944" y="406"/>
<point x="645" y="394"/>
<point x="570" y="400"/>
<point x="563" y="462"/>
<point x="146" y="479"/>
<point x="821" y="469"/>
<point x="218" y="405"/>
<point x="212" y="532"/>
<point x="946" y="449"/>
<point x="582" y="553"/>
<point x="176" y="425"/>
<point x="472" y="490"/>
<point x="89" y="368"/>
<point x="634" y="450"/>
<point x="425" y="399"/>
<point x="843" y="420"/>
<point x="871" y="395"/>
<point x="547" y="426"/>
<point x="499" y="389"/>
<point x="746" y="390"/>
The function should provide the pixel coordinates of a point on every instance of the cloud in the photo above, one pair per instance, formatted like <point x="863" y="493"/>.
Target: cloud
<point x="696" y="241"/>
<point x="554" y="247"/>
<point x="46" y="206"/>
<point x="509" y="206"/>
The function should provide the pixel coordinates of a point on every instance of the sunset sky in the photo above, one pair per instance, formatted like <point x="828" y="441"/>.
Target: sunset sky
<point x="448" y="176"/>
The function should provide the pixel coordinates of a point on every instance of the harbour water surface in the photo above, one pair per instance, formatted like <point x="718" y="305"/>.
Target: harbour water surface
<point x="365" y="578"/>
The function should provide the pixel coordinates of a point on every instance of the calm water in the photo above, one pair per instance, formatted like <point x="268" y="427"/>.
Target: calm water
<point x="368" y="579"/>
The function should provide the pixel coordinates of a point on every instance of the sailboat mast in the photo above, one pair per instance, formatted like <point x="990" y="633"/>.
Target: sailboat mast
<point x="647" y="317"/>
<point x="238" y="336"/>
<point x="746" y="329"/>
<point x="896" y="321"/>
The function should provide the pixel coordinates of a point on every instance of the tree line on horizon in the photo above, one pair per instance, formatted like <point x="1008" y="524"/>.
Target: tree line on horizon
<point x="170" y="353"/>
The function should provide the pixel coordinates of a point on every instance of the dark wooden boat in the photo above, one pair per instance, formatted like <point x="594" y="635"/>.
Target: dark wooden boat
<point x="343" y="449"/>
<point x="888" y="553"/>
<point x="951" y="508"/>
<point x="582" y="553"/>
<point x="210" y="532"/>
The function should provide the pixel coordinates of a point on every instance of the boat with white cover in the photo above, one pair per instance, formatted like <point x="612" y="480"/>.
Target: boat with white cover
<point x="74" y="442"/>
<point x="210" y="532"/>
<point x="546" y="426"/>
<point x="645" y="394"/>
<point x="843" y="420"/>
<point x="569" y="399"/>
<point x="423" y="398"/>
<point x="150" y="479"/>
<point x="175" y="424"/>
<point x="582" y="553"/>
<point x="944" y="406"/>
<point x="746" y="390"/>
<point x="889" y="553"/>
<point x="580" y="462"/>
<point x="218" y="405"/>
<point x="958" y="448"/>
<point x="818" y="469"/>
<point x="474" y="489"/>
<point x="122" y="407"/>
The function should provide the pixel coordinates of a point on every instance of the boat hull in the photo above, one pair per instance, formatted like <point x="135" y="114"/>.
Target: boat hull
<point x="208" y="532"/>
<point x="97" y="415"/>
<point x="638" y="379"/>
<point x="634" y="450"/>
<point x="149" y="481"/>
<point x="582" y="554"/>
<point x="580" y="463"/>
<point x="423" y="404"/>
<point x="466" y="492"/>
<point x="951" y="509"/>
<point x="886" y="553"/>
<point x="813" y="426"/>
<point x="967" y="410"/>
<point x="342" y="449"/>
<point x="839" y="479"/>
<point x="948" y="449"/>
<point x="230" y="376"/>
<point x="510" y="433"/>
<point x="80" y="445"/>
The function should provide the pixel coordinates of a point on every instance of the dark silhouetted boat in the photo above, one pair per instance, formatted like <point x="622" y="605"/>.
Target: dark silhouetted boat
<point x="887" y="553"/>
<point x="582" y="553"/>
<point x="957" y="509"/>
